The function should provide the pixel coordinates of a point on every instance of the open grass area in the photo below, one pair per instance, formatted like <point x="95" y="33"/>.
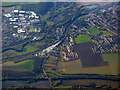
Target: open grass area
<point x="106" y="33"/>
<point x="82" y="38"/>
<point x="18" y="7"/>
<point x="8" y="9"/>
<point x="76" y="67"/>
<point x="31" y="29"/>
<point x="112" y="59"/>
<point x="27" y="49"/>
<point x="30" y="48"/>
<point x="49" y="23"/>
<point x="9" y="63"/>
<point x="51" y="60"/>
<point x="12" y="53"/>
<point x="112" y="16"/>
<point x="78" y="6"/>
<point x="27" y="64"/>
<point x="40" y="75"/>
<point x="94" y="30"/>
<point x="92" y="6"/>
<point x="45" y="17"/>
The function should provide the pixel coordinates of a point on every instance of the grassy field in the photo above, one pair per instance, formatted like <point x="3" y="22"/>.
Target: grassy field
<point x="75" y="67"/>
<point x="45" y="17"/>
<point x="107" y="33"/>
<point x="92" y="6"/>
<point x="112" y="59"/>
<point x="49" y="23"/>
<point x="28" y="48"/>
<point x="27" y="64"/>
<point x="51" y="60"/>
<point x="112" y="16"/>
<point x="82" y="38"/>
<point x="94" y="30"/>
<point x="18" y="7"/>
<point x="8" y="9"/>
<point x="51" y="66"/>
<point x="12" y="53"/>
<point x="9" y="63"/>
<point x="40" y="75"/>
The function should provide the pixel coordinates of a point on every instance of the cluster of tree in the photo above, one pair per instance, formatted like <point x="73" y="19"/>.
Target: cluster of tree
<point x="40" y="8"/>
<point x="38" y="61"/>
<point x="16" y="74"/>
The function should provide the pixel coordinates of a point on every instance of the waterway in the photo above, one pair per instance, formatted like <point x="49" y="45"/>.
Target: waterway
<point x="12" y="84"/>
<point x="70" y="82"/>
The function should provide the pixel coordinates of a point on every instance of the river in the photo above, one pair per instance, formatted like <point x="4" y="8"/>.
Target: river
<point x="73" y="82"/>
<point x="12" y="84"/>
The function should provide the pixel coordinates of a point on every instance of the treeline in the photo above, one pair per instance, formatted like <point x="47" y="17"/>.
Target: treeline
<point x="40" y="8"/>
<point x="7" y="74"/>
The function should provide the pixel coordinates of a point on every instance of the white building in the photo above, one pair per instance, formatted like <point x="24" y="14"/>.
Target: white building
<point x="21" y="11"/>
<point x="20" y="31"/>
<point x="22" y="19"/>
<point x="15" y="11"/>
<point x="21" y="15"/>
<point x="37" y="17"/>
<point x="8" y="15"/>
<point x="33" y="13"/>
<point x="12" y="19"/>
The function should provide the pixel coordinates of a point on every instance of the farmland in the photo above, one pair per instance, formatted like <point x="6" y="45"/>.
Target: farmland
<point x="87" y="57"/>
<point x="82" y="38"/>
<point x="64" y="44"/>
<point x="112" y="59"/>
<point x="105" y="64"/>
<point x="75" y="67"/>
<point x="51" y="66"/>
<point x="27" y="64"/>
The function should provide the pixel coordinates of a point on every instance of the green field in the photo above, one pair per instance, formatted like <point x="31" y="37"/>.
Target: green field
<point x="82" y="38"/>
<point x="45" y="17"/>
<point x="112" y="59"/>
<point x="107" y="33"/>
<point x="11" y="53"/>
<point x="94" y="30"/>
<point x="112" y="16"/>
<point x="27" y="64"/>
<point x="27" y="49"/>
<point x="18" y="7"/>
<point x="49" y="23"/>
<point x="92" y="6"/>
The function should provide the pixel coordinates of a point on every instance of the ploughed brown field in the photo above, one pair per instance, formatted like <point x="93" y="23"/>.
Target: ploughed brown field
<point x="87" y="57"/>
